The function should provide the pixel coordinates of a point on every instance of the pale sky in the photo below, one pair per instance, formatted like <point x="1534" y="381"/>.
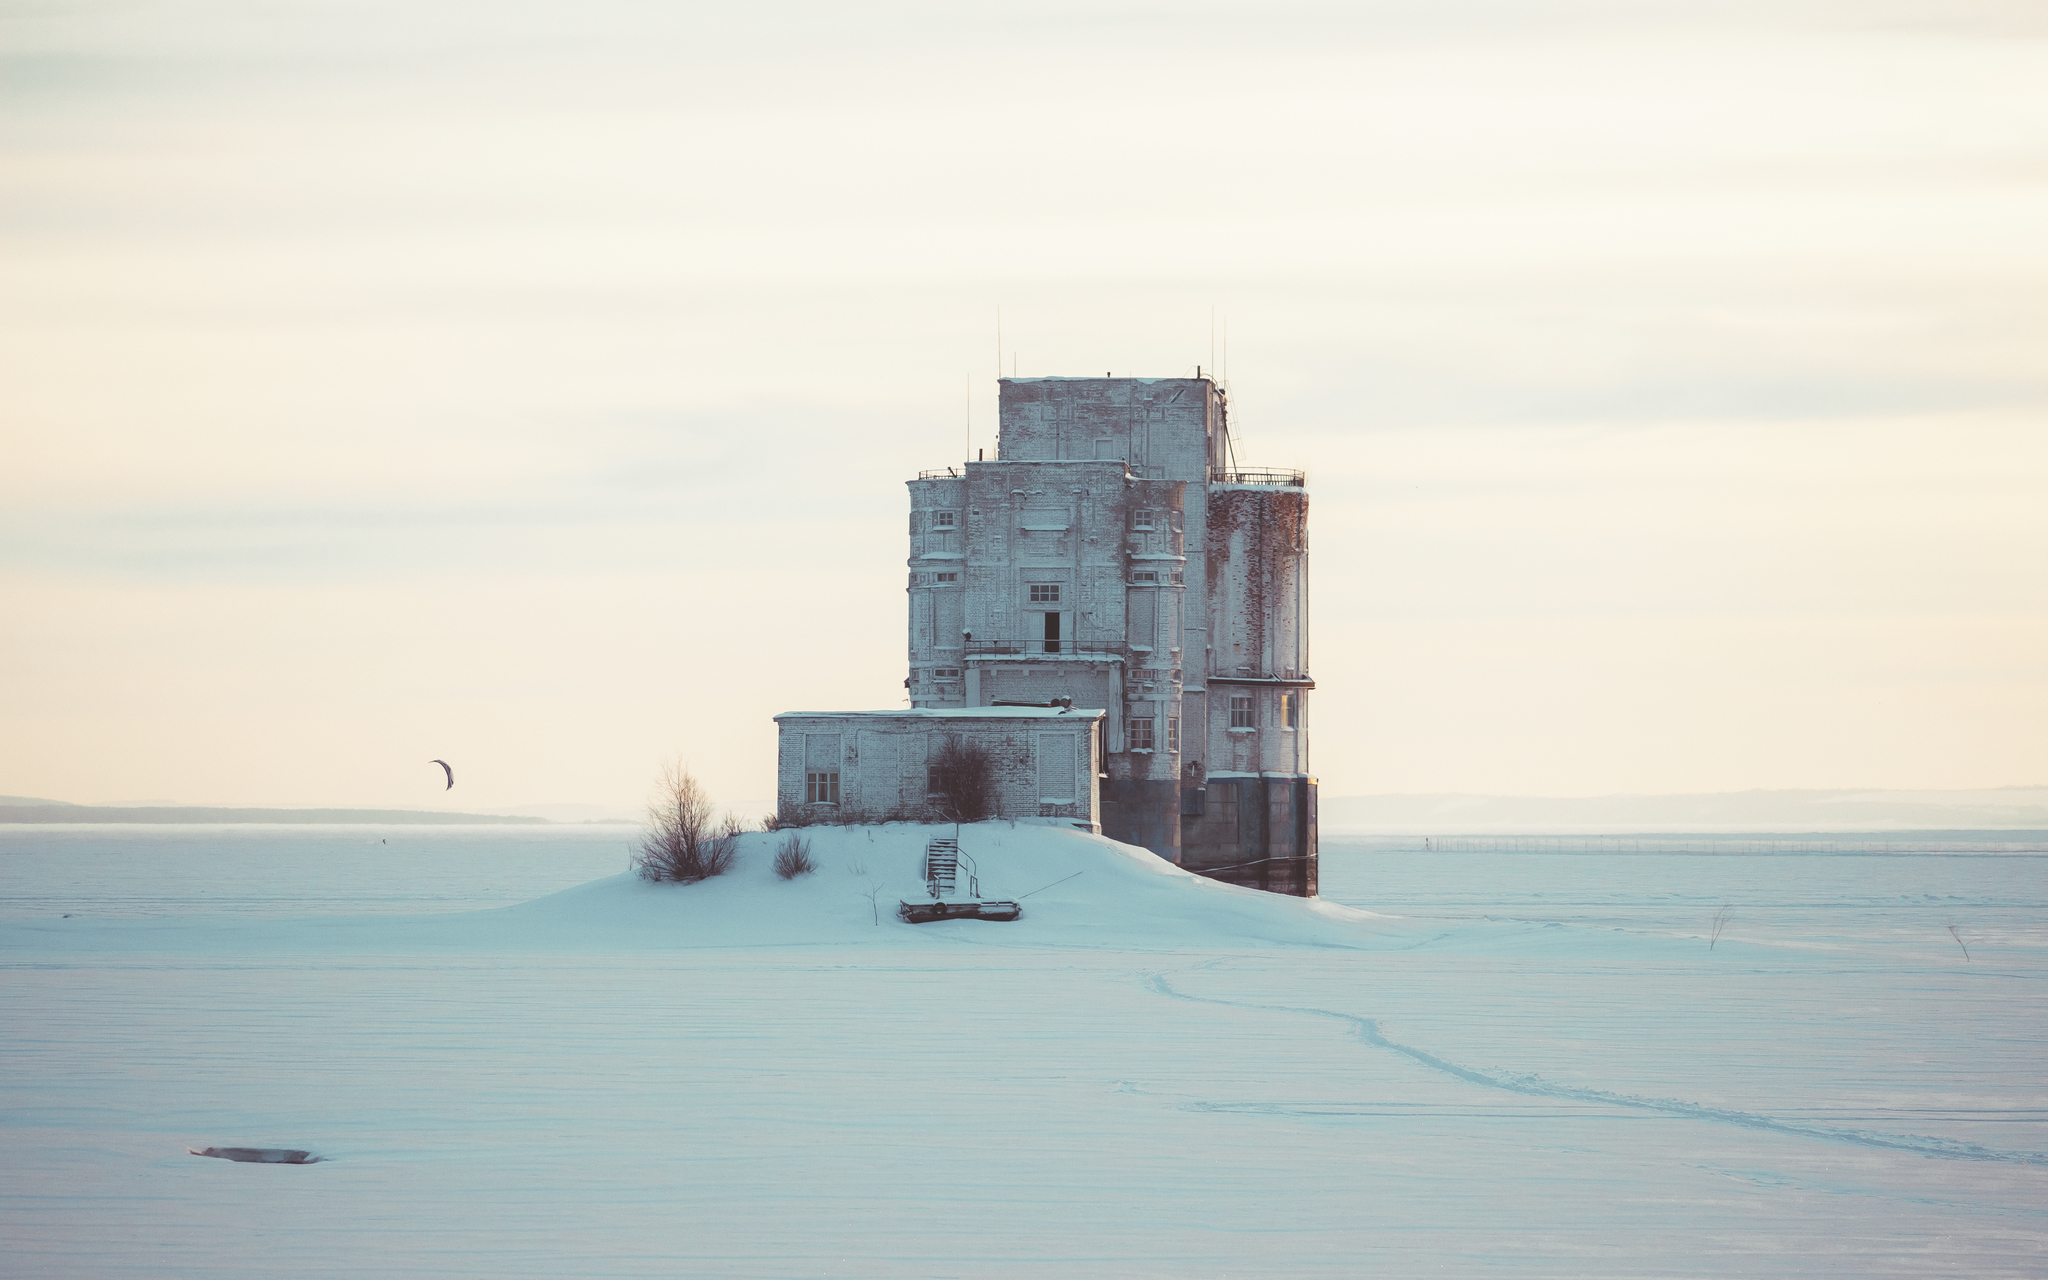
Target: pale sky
<point x="533" y="386"/>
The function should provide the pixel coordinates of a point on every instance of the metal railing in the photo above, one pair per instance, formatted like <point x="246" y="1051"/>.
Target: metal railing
<point x="1292" y="479"/>
<point x="947" y="473"/>
<point x="1038" y="646"/>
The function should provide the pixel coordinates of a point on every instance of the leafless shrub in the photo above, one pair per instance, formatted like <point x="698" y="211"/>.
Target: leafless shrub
<point x="1721" y="919"/>
<point x="683" y="841"/>
<point x="1953" y="932"/>
<point x="873" y="894"/>
<point x="793" y="857"/>
<point x="961" y="779"/>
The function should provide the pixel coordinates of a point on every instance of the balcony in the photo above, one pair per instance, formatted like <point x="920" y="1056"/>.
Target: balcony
<point x="1084" y="646"/>
<point x="1289" y="479"/>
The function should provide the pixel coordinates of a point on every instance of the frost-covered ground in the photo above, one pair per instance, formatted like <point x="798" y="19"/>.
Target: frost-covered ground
<point x="1514" y="1064"/>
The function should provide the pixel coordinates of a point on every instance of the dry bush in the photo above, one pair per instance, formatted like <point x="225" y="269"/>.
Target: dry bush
<point x="683" y="841"/>
<point x="793" y="858"/>
<point x="962" y="781"/>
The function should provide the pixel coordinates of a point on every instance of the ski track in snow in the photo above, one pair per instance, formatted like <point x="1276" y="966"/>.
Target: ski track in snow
<point x="1536" y="1087"/>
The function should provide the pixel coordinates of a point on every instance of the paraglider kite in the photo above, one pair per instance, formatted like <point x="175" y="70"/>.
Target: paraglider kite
<point x="445" y="769"/>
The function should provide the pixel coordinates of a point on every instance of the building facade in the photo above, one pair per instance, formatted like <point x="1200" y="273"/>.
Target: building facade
<point x="875" y="765"/>
<point x="1113" y="553"/>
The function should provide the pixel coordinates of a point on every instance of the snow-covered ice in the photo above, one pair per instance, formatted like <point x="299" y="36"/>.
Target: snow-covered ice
<point x="515" y="1060"/>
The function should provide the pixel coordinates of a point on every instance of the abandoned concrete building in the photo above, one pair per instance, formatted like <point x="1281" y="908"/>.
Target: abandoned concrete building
<point x="1114" y="554"/>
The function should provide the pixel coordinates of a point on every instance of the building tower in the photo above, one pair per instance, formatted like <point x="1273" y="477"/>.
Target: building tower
<point x="1112" y="553"/>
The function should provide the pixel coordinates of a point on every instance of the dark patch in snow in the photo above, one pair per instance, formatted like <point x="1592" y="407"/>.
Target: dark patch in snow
<point x="258" y="1155"/>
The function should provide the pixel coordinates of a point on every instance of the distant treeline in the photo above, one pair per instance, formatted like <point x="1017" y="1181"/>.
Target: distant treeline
<point x="179" y="813"/>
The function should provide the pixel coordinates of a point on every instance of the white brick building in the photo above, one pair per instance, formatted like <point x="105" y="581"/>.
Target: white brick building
<point x="871" y="765"/>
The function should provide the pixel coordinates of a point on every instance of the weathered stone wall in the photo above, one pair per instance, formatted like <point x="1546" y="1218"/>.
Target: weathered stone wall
<point x="937" y="590"/>
<point x="1257" y="598"/>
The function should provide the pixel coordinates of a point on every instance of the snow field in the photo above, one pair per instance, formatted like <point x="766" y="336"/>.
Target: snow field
<point x="1147" y="1076"/>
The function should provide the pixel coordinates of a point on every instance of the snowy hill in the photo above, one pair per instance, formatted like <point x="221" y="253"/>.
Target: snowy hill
<point x="1077" y="890"/>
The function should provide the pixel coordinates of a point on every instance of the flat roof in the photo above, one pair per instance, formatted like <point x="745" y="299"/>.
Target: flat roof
<point x="1082" y="377"/>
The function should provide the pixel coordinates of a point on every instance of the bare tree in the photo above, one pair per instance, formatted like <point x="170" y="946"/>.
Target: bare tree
<point x="793" y="858"/>
<point x="961" y="780"/>
<point x="683" y="841"/>
<point x="873" y="894"/>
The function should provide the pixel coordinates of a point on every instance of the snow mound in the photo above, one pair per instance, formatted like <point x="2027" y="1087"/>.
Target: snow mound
<point x="1076" y="890"/>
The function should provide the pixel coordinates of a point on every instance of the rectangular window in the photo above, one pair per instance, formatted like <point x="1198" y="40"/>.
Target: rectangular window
<point x="944" y="519"/>
<point x="1145" y="575"/>
<point x="1288" y="710"/>
<point x="1241" y="712"/>
<point x="821" y="786"/>
<point x="1145" y="520"/>
<point x="1058" y="764"/>
<point x="1179" y="579"/>
<point x="1173" y="733"/>
<point x="945" y="577"/>
<point x="1141" y="733"/>
<point x="945" y="673"/>
<point x="1045" y="593"/>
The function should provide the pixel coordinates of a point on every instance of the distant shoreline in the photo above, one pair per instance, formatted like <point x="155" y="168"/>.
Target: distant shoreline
<point x="77" y="813"/>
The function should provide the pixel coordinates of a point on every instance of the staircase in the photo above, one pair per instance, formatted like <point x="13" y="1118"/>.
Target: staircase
<point x="942" y="866"/>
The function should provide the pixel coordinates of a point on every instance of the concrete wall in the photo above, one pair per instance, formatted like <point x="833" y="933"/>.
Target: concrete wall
<point x="1047" y="763"/>
<point x="1255" y="831"/>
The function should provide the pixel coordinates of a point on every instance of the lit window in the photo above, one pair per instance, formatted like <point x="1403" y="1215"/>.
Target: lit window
<point x="821" y="786"/>
<point x="945" y="577"/>
<point x="1290" y="706"/>
<point x="1241" y="713"/>
<point x="1045" y="593"/>
<point x="944" y="519"/>
<point x="1141" y="733"/>
<point x="1173" y="733"/>
<point x="1145" y="520"/>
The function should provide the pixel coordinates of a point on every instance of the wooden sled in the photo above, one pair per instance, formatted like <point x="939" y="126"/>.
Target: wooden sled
<point x="927" y="912"/>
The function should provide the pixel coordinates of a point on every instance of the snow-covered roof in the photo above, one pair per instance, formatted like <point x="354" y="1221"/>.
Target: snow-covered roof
<point x="1106" y="378"/>
<point x="963" y="713"/>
